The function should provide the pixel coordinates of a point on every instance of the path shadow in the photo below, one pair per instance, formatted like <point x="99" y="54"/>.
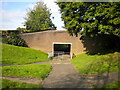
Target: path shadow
<point x="101" y="79"/>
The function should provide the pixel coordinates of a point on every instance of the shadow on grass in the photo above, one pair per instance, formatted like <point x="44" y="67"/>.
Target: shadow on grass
<point x="95" y="75"/>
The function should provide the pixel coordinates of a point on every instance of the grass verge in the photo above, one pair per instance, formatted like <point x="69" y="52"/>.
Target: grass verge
<point x="38" y="71"/>
<point x="21" y="55"/>
<point x="15" y="84"/>
<point x="97" y="64"/>
<point x="113" y="85"/>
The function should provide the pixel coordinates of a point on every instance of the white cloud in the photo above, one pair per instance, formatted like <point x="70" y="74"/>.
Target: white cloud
<point x="12" y="19"/>
<point x="15" y="18"/>
<point x="51" y="5"/>
<point x="55" y="13"/>
<point x="30" y="6"/>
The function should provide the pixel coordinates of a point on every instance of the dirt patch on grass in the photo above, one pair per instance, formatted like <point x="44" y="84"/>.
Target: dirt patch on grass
<point x="99" y="80"/>
<point x="30" y="80"/>
<point x="66" y="76"/>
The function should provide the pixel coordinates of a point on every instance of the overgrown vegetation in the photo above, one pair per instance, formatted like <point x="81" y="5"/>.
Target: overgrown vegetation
<point x="112" y="85"/>
<point x="11" y="37"/>
<point x="38" y="71"/>
<point x="6" y="84"/>
<point x="97" y="64"/>
<point x="21" y="55"/>
<point x="23" y="30"/>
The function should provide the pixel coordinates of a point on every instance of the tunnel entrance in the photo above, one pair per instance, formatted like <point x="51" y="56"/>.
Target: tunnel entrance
<point x="62" y="50"/>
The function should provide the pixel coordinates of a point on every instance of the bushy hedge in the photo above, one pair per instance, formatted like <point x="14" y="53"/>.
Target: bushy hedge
<point x="11" y="37"/>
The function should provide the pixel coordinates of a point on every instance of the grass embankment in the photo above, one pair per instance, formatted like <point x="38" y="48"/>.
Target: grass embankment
<point x="38" y="71"/>
<point x="96" y="64"/>
<point x="15" y="84"/>
<point x="112" y="85"/>
<point x="21" y="55"/>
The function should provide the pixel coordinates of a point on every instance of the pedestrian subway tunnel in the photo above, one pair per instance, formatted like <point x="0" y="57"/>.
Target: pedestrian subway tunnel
<point x="62" y="49"/>
<point x="50" y="42"/>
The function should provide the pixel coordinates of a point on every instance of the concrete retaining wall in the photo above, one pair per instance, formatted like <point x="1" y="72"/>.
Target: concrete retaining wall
<point x="44" y="40"/>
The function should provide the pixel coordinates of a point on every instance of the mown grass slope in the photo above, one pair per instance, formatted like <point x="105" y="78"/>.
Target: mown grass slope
<point x="6" y="84"/>
<point x="38" y="71"/>
<point x="97" y="64"/>
<point x="21" y="55"/>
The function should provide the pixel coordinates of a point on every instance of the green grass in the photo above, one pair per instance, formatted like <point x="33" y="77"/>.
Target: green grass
<point x="38" y="71"/>
<point x="21" y="55"/>
<point x="15" y="84"/>
<point x="113" y="85"/>
<point x="0" y="53"/>
<point x="96" y="64"/>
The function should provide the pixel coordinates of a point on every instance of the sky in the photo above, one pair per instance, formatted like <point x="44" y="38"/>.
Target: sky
<point x="12" y="14"/>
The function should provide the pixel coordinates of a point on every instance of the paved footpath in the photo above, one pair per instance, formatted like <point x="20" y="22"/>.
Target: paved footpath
<point x="63" y="75"/>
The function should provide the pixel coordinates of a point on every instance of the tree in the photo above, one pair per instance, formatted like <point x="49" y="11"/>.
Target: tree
<point x="23" y="30"/>
<point x="91" y="18"/>
<point x="39" y="18"/>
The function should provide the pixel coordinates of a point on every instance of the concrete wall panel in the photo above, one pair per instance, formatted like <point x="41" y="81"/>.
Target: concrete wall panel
<point x="43" y="40"/>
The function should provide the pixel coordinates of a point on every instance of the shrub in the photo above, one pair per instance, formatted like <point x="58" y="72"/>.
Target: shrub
<point x="11" y="37"/>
